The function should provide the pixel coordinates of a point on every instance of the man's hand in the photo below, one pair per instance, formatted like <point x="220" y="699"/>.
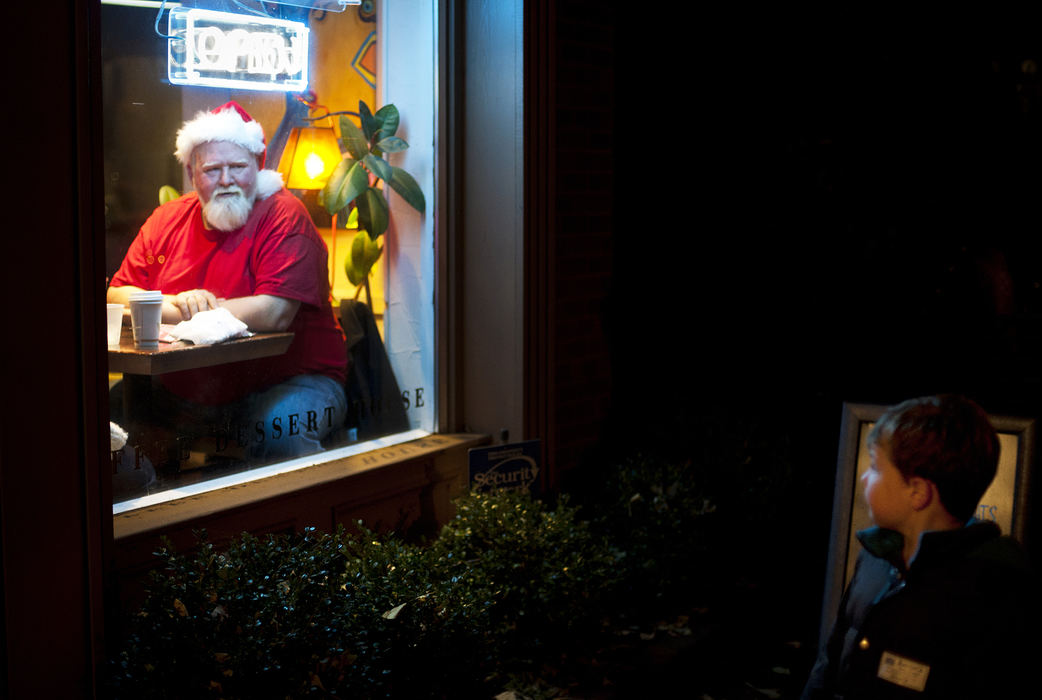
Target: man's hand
<point x="193" y="301"/>
<point x="176" y="307"/>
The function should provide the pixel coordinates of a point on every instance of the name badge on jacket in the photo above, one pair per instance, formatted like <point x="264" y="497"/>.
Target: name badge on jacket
<point x="903" y="671"/>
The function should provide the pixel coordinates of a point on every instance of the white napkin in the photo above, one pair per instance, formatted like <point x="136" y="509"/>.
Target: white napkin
<point x="208" y="327"/>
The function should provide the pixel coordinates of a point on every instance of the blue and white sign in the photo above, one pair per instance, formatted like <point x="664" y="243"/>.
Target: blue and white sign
<point x="511" y="467"/>
<point x="223" y="49"/>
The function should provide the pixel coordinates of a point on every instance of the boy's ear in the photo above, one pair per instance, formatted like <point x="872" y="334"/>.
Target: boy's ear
<point x="923" y="492"/>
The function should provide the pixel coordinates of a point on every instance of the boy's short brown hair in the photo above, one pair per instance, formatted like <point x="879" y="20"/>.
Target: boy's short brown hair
<point x="947" y="439"/>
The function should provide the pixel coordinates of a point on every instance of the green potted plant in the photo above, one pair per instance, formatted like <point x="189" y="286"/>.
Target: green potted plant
<point x="357" y="182"/>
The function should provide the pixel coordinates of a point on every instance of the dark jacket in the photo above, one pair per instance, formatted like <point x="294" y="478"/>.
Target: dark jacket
<point x="956" y="624"/>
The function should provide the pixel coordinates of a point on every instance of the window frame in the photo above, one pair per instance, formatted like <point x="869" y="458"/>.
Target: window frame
<point x="181" y="503"/>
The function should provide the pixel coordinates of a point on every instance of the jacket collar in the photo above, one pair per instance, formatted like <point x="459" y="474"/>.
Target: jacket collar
<point x="933" y="545"/>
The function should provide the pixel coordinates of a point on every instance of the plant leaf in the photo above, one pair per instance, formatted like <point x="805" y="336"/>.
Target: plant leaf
<point x="405" y="185"/>
<point x="354" y="140"/>
<point x="372" y="212"/>
<point x="167" y="193"/>
<point x="392" y="144"/>
<point x="373" y="251"/>
<point x="353" y="275"/>
<point x="380" y="167"/>
<point x="348" y="180"/>
<point x="393" y="612"/>
<point x="358" y="250"/>
<point x="389" y="120"/>
<point x="370" y="125"/>
<point x="364" y="254"/>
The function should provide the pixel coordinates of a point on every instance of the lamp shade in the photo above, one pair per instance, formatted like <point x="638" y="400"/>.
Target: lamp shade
<point x="310" y="155"/>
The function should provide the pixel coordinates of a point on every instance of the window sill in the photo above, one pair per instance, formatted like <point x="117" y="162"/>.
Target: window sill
<point x="428" y="461"/>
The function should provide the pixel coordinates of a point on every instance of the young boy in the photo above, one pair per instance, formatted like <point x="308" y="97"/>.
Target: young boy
<point x="940" y="605"/>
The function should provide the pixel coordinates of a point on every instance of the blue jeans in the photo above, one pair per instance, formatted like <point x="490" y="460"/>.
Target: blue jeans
<point x="292" y="419"/>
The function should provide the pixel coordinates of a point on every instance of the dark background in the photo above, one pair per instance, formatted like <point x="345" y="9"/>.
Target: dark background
<point x="837" y="209"/>
<point x="812" y="210"/>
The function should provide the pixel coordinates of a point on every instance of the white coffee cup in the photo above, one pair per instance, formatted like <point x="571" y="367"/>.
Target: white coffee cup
<point x="146" y="313"/>
<point x="115" y="322"/>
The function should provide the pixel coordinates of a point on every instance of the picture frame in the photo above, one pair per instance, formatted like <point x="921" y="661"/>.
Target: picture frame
<point x="1005" y="501"/>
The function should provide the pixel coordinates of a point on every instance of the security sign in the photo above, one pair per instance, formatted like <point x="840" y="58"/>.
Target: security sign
<point x="510" y="467"/>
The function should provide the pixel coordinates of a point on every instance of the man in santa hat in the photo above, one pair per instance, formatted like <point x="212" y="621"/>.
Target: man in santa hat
<point x="241" y="241"/>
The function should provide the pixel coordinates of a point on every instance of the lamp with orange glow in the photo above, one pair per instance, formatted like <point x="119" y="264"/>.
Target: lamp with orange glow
<point x="308" y="159"/>
<point x="310" y="155"/>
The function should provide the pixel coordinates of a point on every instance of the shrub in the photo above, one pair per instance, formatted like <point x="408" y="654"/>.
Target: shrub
<point x="656" y="514"/>
<point x="538" y="571"/>
<point x="688" y="511"/>
<point x="275" y="617"/>
<point x="507" y="582"/>
<point x="510" y="583"/>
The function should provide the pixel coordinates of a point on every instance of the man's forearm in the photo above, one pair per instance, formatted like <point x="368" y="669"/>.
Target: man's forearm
<point x="263" y="312"/>
<point x="121" y="295"/>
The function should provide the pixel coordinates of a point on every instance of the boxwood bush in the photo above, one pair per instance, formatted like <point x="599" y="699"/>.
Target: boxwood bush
<point x="512" y="586"/>
<point x="660" y="519"/>
<point x="508" y="583"/>
<point x="266" y="617"/>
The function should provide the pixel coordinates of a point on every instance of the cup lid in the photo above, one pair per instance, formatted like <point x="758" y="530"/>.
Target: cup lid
<point x="146" y="295"/>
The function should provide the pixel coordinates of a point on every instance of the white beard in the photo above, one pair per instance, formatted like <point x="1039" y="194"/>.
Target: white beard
<point x="228" y="213"/>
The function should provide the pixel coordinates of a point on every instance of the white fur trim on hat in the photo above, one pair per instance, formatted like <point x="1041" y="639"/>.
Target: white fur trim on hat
<point x="227" y="124"/>
<point x="268" y="183"/>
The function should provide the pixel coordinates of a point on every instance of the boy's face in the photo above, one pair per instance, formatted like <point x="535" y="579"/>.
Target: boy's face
<point x="887" y="492"/>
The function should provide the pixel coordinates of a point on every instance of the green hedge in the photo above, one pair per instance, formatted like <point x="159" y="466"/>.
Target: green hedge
<point x="510" y="584"/>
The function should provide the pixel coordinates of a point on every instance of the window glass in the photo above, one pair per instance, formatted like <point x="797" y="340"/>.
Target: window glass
<point x="288" y="334"/>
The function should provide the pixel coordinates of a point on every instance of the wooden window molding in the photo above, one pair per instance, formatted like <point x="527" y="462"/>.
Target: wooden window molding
<point x="409" y="487"/>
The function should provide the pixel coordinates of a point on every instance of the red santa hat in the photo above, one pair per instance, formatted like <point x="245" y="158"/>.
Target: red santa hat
<point x="229" y="122"/>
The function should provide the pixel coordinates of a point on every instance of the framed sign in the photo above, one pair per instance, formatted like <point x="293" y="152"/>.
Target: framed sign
<point x="1005" y="501"/>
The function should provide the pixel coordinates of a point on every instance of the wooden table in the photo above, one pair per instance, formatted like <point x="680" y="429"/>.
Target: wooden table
<point x="174" y="357"/>
<point x="140" y="365"/>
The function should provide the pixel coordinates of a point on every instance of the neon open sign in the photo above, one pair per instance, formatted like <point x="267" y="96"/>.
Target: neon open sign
<point x="221" y="49"/>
